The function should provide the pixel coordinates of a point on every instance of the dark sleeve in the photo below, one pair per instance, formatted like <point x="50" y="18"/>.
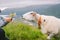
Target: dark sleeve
<point x="2" y="35"/>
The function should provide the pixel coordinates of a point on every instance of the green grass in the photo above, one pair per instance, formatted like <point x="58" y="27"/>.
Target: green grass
<point x="21" y="31"/>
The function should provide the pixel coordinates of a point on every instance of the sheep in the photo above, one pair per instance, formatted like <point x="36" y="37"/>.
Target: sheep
<point x="49" y="25"/>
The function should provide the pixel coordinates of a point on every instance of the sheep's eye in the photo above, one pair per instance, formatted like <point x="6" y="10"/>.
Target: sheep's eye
<point x="31" y="13"/>
<point x="44" y="20"/>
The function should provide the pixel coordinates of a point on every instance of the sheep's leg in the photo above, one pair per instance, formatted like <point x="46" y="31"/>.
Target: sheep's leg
<point x="50" y="35"/>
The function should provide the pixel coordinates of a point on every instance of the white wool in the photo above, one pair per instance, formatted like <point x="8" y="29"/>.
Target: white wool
<point x="51" y="24"/>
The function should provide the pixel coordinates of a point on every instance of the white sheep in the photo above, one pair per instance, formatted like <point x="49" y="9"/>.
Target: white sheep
<point x="49" y="25"/>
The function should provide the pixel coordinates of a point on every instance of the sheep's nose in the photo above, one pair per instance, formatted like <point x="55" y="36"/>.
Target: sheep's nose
<point x="22" y="17"/>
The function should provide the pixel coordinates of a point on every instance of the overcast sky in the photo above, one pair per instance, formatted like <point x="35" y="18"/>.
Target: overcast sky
<point x="24" y="3"/>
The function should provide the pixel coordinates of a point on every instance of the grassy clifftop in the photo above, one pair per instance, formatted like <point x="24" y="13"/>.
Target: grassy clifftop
<point x="21" y="31"/>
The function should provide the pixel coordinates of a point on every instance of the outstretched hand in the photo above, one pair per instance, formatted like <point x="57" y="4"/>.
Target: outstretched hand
<point x="8" y="19"/>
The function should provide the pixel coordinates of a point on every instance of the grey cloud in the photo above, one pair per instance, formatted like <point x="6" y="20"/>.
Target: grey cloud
<point x="21" y="3"/>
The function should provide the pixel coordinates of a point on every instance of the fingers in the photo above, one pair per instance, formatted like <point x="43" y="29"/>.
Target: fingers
<point x="8" y="19"/>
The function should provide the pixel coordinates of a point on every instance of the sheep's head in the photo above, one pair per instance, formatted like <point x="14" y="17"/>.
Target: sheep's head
<point x="33" y="16"/>
<point x="30" y="16"/>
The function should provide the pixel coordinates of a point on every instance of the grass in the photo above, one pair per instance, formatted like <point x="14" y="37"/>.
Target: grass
<point x="21" y="31"/>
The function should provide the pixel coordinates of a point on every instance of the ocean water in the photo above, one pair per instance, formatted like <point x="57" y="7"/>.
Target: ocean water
<point x="51" y="9"/>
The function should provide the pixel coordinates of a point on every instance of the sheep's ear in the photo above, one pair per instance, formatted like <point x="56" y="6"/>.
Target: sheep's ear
<point x="33" y="14"/>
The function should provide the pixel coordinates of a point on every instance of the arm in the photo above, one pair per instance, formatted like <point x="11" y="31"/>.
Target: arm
<point x="5" y="21"/>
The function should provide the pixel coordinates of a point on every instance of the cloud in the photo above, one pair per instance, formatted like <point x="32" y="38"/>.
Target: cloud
<point x="23" y="3"/>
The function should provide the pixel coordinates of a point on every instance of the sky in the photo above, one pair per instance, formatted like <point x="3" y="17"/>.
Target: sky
<point x="24" y="3"/>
